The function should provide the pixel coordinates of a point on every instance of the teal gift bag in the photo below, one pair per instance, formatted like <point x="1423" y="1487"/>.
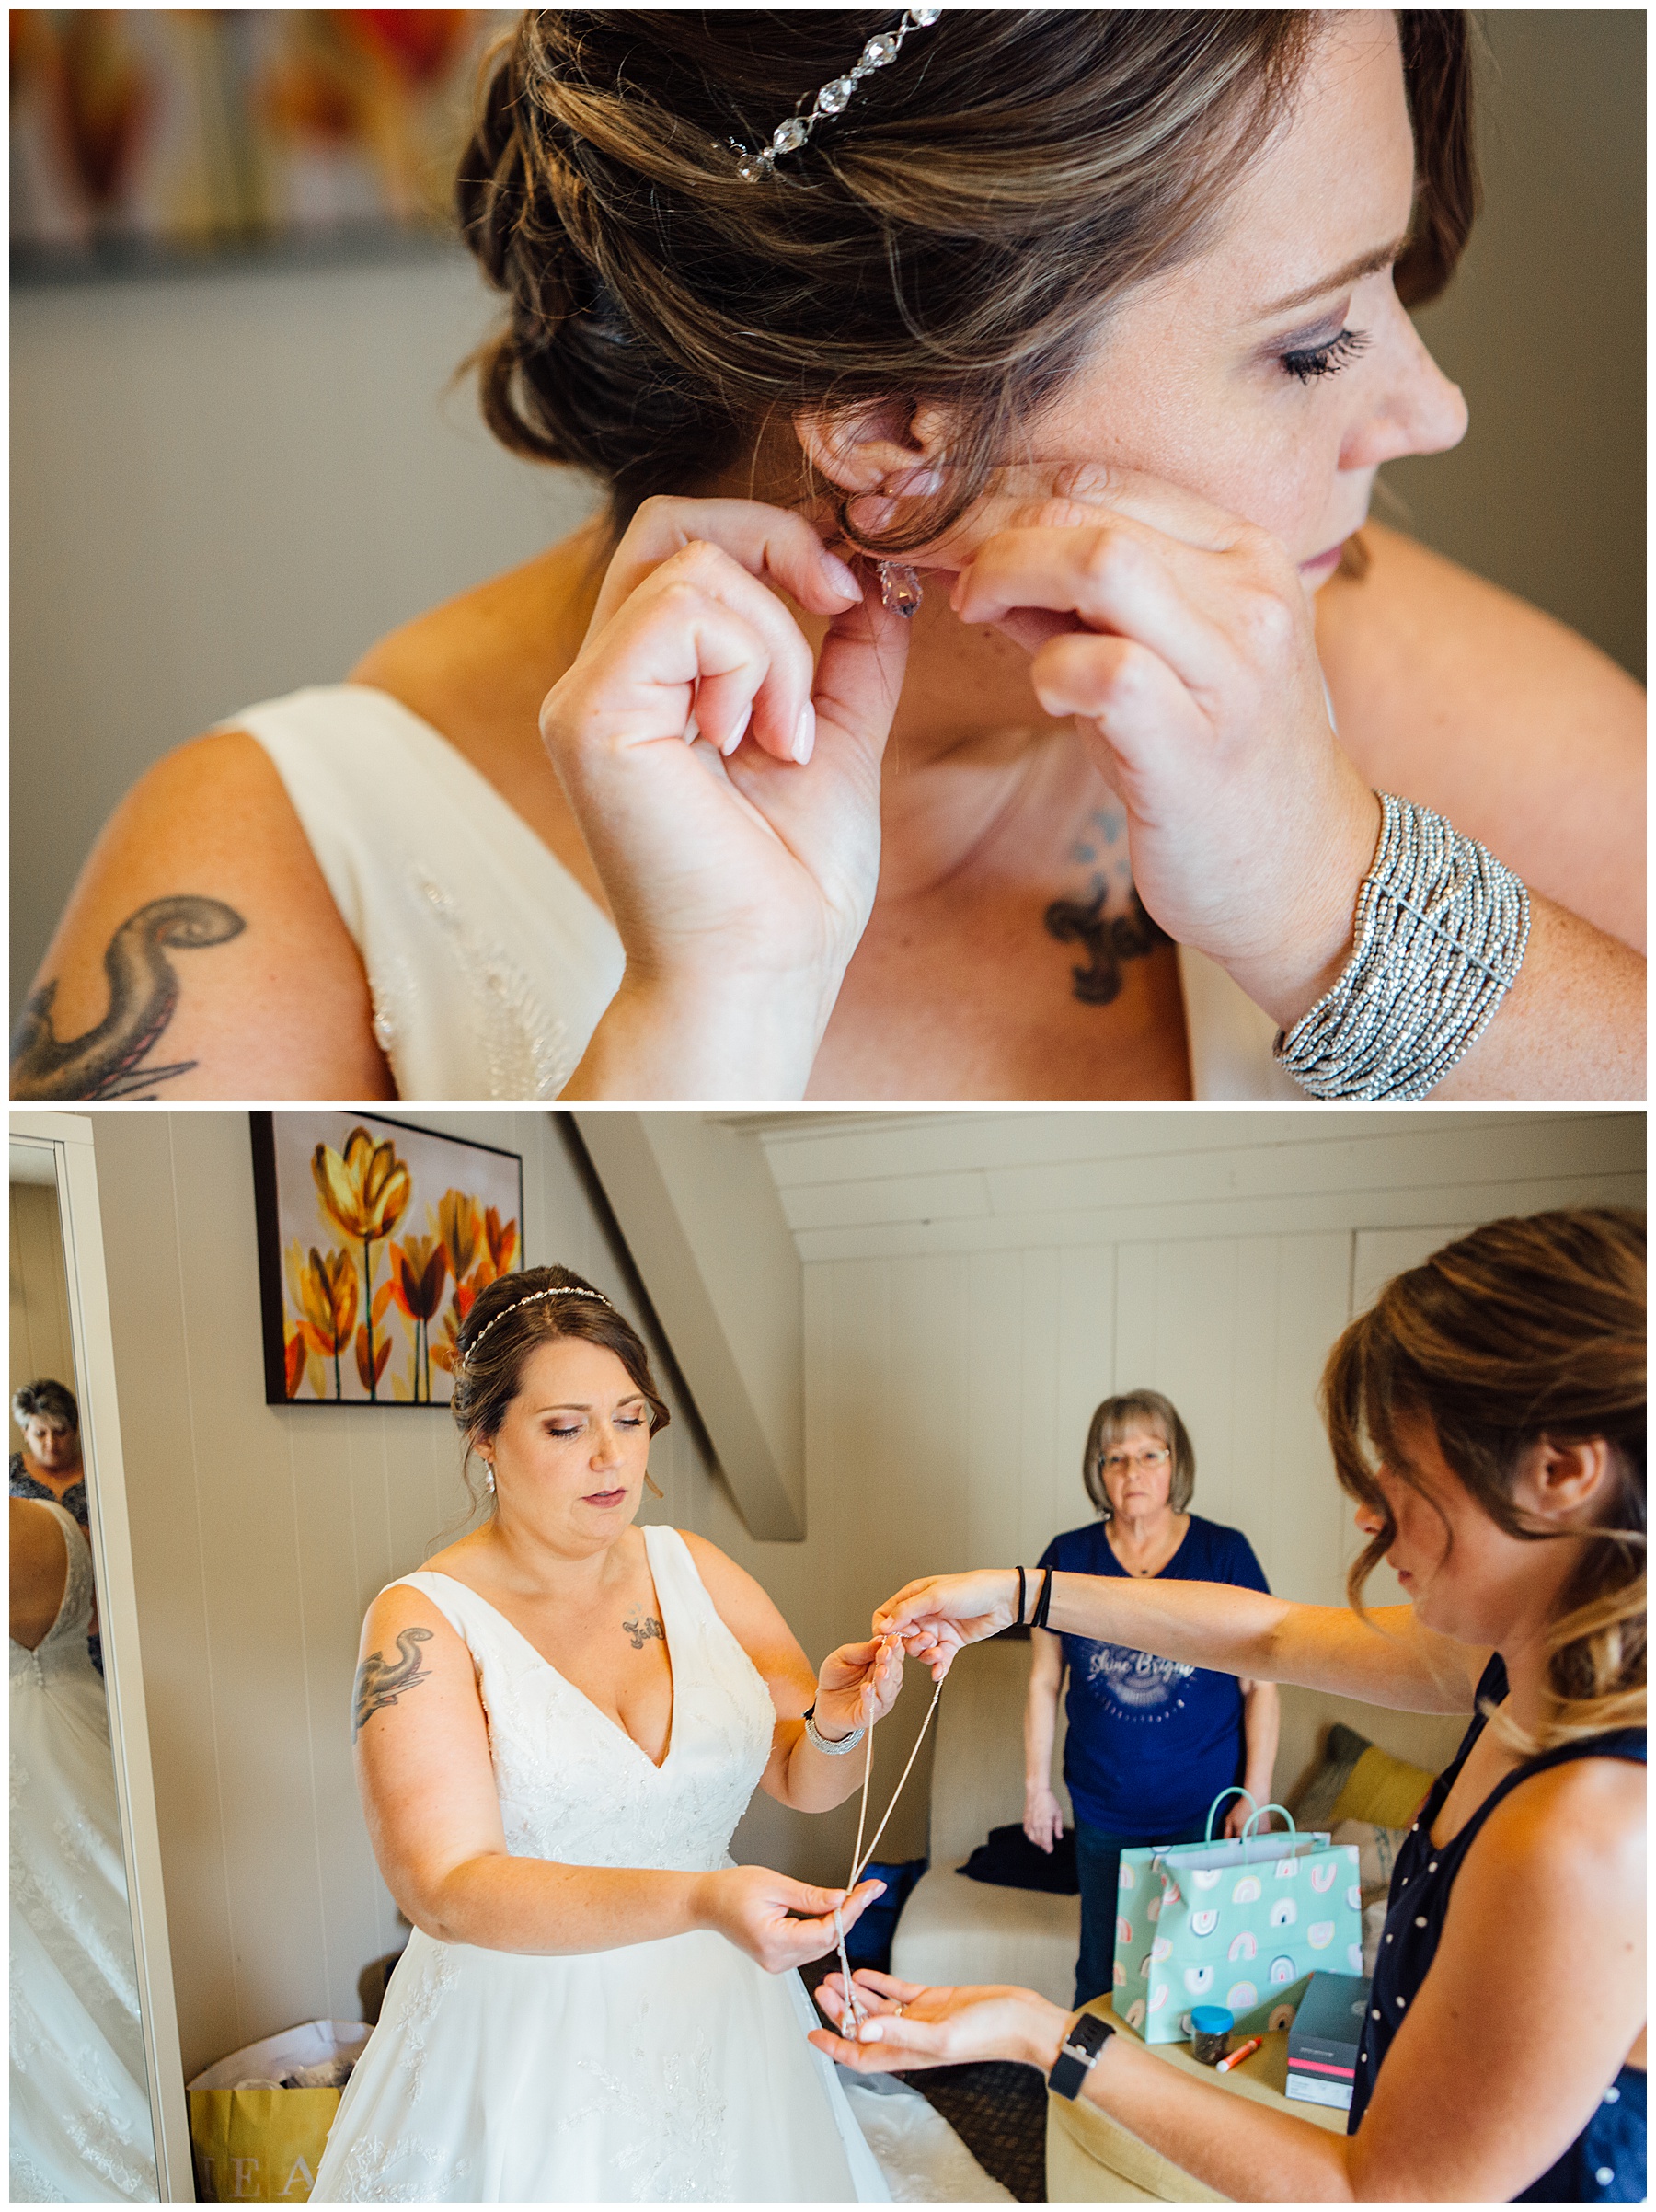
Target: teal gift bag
<point x="1242" y="1923"/>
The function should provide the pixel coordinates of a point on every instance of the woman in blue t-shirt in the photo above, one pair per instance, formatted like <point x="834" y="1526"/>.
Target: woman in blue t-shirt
<point x="1151" y="1743"/>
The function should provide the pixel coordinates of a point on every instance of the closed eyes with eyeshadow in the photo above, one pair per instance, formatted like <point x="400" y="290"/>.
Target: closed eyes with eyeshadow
<point x="1307" y="361"/>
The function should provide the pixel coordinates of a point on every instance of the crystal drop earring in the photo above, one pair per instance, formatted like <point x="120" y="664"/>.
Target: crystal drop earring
<point x="900" y="587"/>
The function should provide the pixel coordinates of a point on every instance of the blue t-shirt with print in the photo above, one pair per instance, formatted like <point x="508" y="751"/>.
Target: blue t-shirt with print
<point x="1151" y="1743"/>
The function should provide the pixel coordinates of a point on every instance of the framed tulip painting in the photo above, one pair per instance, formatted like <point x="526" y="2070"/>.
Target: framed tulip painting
<point x="373" y="1239"/>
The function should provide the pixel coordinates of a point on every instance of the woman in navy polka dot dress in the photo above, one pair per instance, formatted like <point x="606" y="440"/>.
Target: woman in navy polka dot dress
<point x="1488" y="1415"/>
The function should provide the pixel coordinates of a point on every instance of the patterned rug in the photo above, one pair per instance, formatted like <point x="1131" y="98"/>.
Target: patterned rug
<point x="998" y="2110"/>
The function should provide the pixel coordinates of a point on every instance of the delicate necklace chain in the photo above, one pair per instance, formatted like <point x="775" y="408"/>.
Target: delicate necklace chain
<point x="852" y="2015"/>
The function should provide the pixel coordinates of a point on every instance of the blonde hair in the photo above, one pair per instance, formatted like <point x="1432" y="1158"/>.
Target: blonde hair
<point x="1527" y="1330"/>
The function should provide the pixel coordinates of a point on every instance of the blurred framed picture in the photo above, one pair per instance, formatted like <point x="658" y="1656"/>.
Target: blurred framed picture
<point x="149" y="137"/>
<point x="375" y="1238"/>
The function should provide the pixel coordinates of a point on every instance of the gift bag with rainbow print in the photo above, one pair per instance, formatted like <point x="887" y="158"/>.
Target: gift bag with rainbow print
<point x="1242" y="1923"/>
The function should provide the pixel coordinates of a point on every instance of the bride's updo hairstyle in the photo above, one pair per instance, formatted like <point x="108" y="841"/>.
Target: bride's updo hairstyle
<point x="954" y="238"/>
<point x="513" y="1316"/>
<point x="1528" y="1329"/>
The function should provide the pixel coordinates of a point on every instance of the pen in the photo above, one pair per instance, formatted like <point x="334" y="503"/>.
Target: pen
<point x="1253" y="2043"/>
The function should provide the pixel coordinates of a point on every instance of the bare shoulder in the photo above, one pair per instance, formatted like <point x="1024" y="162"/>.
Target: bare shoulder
<point x="1574" y="1830"/>
<point x="745" y="1607"/>
<point x="200" y="954"/>
<point x="1455" y="693"/>
<point x="721" y="1574"/>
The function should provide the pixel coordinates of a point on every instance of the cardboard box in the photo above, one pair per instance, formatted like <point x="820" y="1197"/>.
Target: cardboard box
<point x="1323" y="2041"/>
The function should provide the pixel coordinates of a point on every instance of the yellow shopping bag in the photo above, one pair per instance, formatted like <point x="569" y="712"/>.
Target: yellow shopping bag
<point x="263" y="2145"/>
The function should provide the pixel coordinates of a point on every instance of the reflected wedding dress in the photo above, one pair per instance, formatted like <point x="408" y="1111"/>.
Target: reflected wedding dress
<point x="675" y="2070"/>
<point x="80" y="2111"/>
<point x="487" y="963"/>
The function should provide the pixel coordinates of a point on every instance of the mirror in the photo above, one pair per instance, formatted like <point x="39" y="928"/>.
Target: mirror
<point x="87" y="2048"/>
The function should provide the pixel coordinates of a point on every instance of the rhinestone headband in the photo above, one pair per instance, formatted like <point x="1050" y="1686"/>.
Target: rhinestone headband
<point x="831" y="98"/>
<point x="558" y="1290"/>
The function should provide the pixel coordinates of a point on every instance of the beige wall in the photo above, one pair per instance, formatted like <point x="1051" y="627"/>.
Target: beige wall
<point x="973" y="1284"/>
<point x="226" y="486"/>
<point x="1543" y="329"/>
<point x="41" y="1342"/>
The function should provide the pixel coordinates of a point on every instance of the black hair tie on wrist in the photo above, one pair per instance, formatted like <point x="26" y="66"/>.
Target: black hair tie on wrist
<point x="1020" y="1597"/>
<point x="1043" y="1604"/>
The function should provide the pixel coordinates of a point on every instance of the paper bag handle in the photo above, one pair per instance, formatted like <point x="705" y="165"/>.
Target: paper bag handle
<point x="1235" y="1790"/>
<point x="1258" y="1813"/>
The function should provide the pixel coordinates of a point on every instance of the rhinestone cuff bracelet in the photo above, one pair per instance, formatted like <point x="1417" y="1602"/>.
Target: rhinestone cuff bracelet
<point x="831" y="98"/>
<point x="1441" y="933"/>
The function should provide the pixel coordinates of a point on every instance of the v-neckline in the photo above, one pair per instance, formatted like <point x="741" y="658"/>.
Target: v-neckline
<point x="609" y="1720"/>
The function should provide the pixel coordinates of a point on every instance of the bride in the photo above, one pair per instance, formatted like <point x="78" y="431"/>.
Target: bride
<point x="560" y="1721"/>
<point x="1096" y="315"/>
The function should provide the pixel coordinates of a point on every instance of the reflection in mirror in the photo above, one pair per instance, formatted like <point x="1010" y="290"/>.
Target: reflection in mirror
<point x="80" y="2108"/>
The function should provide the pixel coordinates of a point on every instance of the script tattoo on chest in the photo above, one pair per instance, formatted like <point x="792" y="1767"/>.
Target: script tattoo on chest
<point x="1108" y="938"/>
<point x="641" y="1631"/>
<point x="108" y="1061"/>
<point x="381" y="1683"/>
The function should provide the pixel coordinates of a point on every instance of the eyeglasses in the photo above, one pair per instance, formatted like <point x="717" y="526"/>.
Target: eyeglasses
<point x="1155" y="1457"/>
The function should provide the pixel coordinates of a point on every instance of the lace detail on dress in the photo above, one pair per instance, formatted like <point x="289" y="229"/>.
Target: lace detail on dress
<point x="680" y="2150"/>
<point x="439" y="1975"/>
<point x="377" y="2173"/>
<point x="525" y="1047"/>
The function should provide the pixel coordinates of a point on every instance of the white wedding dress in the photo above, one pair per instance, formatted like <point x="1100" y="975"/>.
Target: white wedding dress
<point x="669" y="2071"/>
<point x="80" y="2110"/>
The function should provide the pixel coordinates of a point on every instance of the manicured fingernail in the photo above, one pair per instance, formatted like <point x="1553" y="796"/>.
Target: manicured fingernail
<point x="805" y="734"/>
<point x="871" y="2031"/>
<point x="840" y="579"/>
<point x="692" y="731"/>
<point x="735" y="739"/>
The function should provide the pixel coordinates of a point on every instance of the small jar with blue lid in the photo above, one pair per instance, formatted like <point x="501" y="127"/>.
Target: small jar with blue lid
<point x="1210" y="2032"/>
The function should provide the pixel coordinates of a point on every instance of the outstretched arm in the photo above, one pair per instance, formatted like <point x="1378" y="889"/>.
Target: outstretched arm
<point x="1389" y="1659"/>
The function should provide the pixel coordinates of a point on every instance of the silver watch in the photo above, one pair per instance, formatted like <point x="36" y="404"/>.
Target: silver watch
<point x="819" y="1742"/>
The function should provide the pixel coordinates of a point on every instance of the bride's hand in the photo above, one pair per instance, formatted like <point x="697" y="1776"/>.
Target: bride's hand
<point x="1181" y="640"/>
<point x="858" y="1685"/>
<point x="778" y="1921"/>
<point x="730" y="797"/>
<point x="907" y="2025"/>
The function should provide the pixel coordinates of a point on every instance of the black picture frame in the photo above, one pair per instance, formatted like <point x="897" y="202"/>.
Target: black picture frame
<point x="280" y="1323"/>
